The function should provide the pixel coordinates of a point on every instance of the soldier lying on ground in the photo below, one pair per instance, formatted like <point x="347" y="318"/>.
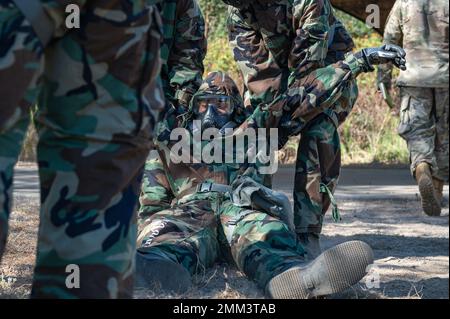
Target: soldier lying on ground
<point x="193" y="214"/>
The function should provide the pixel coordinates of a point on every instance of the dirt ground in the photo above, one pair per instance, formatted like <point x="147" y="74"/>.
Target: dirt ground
<point x="411" y="252"/>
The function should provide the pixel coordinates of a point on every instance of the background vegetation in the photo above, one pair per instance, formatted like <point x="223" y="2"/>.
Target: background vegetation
<point x="370" y="133"/>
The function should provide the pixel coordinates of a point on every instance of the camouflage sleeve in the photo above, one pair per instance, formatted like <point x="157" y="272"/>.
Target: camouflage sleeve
<point x="305" y="99"/>
<point x="392" y="35"/>
<point x="262" y="75"/>
<point x="155" y="194"/>
<point x="188" y="51"/>
<point x="310" y="47"/>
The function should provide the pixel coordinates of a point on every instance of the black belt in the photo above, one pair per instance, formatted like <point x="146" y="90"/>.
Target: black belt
<point x="213" y="188"/>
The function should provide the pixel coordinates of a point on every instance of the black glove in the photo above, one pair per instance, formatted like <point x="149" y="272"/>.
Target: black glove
<point x="382" y="55"/>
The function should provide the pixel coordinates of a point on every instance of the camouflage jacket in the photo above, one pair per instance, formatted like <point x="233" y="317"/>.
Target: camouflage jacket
<point x="183" y="50"/>
<point x="162" y="188"/>
<point x="56" y="9"/>
<point x="112" y="60"/>
<point x="421" y="27"/>
<point x="281" y="43"/>
<point x="167" y="182"/>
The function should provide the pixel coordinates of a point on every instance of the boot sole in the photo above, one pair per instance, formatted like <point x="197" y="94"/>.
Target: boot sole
<point x="335" y="270"/>
<point x="161" y="276"/>
<point x="430" y="204"/>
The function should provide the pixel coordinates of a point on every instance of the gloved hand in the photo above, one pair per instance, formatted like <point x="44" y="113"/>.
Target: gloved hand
<point x="382" y="55"/>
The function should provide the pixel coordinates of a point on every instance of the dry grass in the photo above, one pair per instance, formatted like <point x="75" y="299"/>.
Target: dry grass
<point x="411" y="252"/>
<point x="220" y="282"/>
<point x="18" y="261"/>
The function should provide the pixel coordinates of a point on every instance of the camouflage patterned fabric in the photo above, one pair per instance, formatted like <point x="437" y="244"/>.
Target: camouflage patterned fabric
<point x="318" y="162"/>
<point x="182" y="52"/>
<point x="96" y="110"/>
<point x="424" y="124"/>
<point x="279" y="46"/>
<point x="21" y="63"/>
<point x="422" y="28"/>
<point x="195" y="229"/>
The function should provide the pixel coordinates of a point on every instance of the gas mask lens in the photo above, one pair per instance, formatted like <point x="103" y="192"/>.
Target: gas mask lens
<point x="221" y="104"/>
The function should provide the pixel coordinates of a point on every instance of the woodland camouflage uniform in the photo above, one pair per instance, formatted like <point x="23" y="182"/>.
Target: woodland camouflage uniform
<point x="194" y="229"/>
<point x="191" y="228"/>
<point x="97" y="105"/>
<point x="182" y="52"/>
<point x="279" y="45"/>
<point x="422" y="28"/>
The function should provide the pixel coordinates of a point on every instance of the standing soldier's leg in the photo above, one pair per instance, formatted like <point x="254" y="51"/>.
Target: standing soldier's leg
<point x="21" y="57"/>
<point x="95" y="128"/>
<point x="317" y="173"/>
<point x="440" y="176"/>
<point x="20" y="67"/>
<point x="10" y="146"/>
<point x="418" y="128"/>
<point x="175" y="244"/>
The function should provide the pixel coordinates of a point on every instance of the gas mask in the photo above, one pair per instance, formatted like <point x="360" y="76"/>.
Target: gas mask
<point x="213" y="111"/>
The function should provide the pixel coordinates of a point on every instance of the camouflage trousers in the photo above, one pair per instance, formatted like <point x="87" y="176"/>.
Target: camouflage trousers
<point x="318" y="164"/>
<point x="200" y="233"/>
<point x="424" y="124"/>
<point x="93" y="143"/>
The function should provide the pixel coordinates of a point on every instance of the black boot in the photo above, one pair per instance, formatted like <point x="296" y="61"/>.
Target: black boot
<point x="161" y="275"/>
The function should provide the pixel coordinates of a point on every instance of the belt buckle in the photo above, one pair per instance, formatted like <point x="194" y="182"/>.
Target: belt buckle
<point x="204" y="188"/>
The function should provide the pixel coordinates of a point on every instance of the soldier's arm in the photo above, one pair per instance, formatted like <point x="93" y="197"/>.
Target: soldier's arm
<point x="310" y="47"/>
<point x="262" y="75"/>
<point x="156" y="194"/>
<point x="320" y="89"/>
<point x="392" y="35"/>
<point x="306" y="99"/>
<point x="188" y="52"/>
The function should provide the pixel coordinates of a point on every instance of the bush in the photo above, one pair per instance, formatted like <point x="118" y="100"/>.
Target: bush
<point x="220" y="57"/>
<point x="215" y="13"/>
<point x="370" y="133"/>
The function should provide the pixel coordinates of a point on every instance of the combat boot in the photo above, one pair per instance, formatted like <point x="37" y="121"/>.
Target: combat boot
<point x="161" y="275"/>
<point x="334" y="271"/>
<point x="430" y="202"/>
<point x="311" y="244"/>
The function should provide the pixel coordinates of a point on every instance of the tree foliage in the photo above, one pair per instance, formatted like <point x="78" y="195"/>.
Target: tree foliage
<point x="215" y="13"/>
